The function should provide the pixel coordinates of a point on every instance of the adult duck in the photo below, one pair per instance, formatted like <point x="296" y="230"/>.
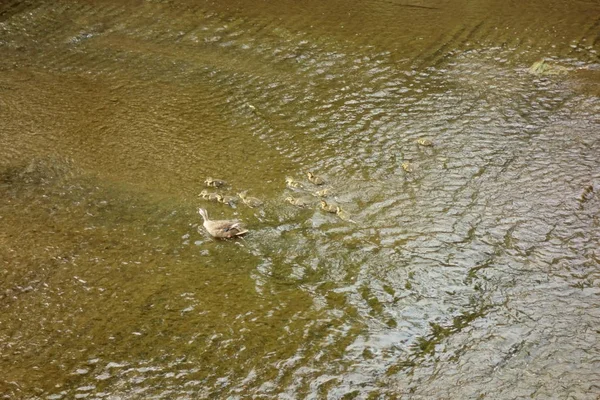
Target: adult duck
<point x="222" y="229"/>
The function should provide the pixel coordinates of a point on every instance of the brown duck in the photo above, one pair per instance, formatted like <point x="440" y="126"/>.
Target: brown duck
<point x="223" y="229"/>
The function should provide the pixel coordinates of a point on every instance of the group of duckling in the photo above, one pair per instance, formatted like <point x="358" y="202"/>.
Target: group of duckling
<point x="234" y="228"/>
<point x="230" y="200"/>
<point x="224" y="229"/>
<point x="304" y="202"/>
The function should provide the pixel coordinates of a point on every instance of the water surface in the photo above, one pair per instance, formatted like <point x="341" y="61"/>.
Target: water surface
<point x="471" y="272"/>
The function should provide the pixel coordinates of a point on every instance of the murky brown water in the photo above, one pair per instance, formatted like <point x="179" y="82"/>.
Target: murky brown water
<point x="474" y="275"/>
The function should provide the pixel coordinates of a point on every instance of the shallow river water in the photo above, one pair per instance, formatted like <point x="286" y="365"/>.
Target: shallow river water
<point x="469" y="269"/>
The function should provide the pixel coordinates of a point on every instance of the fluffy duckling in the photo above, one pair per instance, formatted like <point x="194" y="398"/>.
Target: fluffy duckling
<point x="344" y="215"/>
<point x="223" y="229"/>
<point x="298" y="202"/>
<point x="330" y="208"/>
<point x="406" y="166"/>
<point x="214" y="182"/>
<point x="226" y="199"/>
<point x="209" y="196"/>
<point x="251" y="202"/>
<point x="587" y="193"/>
<point x="317" y="180"/>
<point x="424" y="142"/>
<point x="324" y="192"/>
<point x="293" y="184"/>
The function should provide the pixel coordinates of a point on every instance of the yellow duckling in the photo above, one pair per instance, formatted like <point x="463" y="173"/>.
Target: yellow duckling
<point x="317" y="180"/>
<point x="223" y="229"/>
<point x="251" y="202"/>
<point x="209" y="196"/>
<point x="226" y="199"/>
<point x="324" y="192"/>
<point x="293" y="184"/>
<point x="424" y="142"/>
<point x="344" y="215"/>
<point x="330" y="208"/>
<point x="297" y="202"/>
<point x="406" y="166"/>
<point x="214" y="182"/>
<point x="587" y="193"/>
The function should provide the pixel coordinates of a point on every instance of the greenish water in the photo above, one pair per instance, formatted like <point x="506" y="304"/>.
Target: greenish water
<point x="470" y="272"/>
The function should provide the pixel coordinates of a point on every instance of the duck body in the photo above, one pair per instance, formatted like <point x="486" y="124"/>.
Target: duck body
<point x="293" y="184"/>
<point x="251" y="202"/>
<point x="210" y="196"/>
<point x="587" y="193"/>
<point x="317" y="180"/>
<point x="226" y="199"/>
<point x="323" y="192"/>
<point x="298" y="202"/>
<point x="222" y="229"/>
<point x="214" y="182"/>
<point x="344" y="215"/>
<point x="330" y="208"/>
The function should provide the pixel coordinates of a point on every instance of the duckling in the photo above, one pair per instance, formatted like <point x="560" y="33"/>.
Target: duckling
<point x="298" y="202"/>
<point x="226" y="199"/>
<point x="407" y="166"/>
<point x="293" y="184"/>
<point x="214" y="182"/>
<point x="424" y="142"/>
<point x="344" y="215"/>
<point x="330" y="208"/>
<point x="209" y="196"/>
<point x="323" y="192"/>
<point x="586" y="193"/>
<point x="317" y="180"/>
<point x="221" y="228"/>
<point x="251" y="202"/>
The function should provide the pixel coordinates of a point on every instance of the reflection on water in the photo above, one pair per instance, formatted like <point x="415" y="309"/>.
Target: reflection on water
<point x="471" y="261"/>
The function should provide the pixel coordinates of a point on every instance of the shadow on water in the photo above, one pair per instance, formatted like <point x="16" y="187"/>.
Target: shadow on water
<point x="466" y="265"/>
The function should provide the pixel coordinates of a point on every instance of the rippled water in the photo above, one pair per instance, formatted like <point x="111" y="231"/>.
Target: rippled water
<point x="470" y="268"/>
